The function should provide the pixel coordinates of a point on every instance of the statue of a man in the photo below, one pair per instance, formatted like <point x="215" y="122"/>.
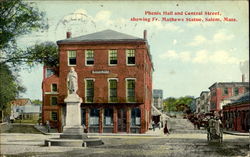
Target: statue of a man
<point x="72" y="81"/>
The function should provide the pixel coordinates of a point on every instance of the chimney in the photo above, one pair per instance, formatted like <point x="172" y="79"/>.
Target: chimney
<point x="145" y="34"/>
<point x="243" y="77"/>
<point x="68" y="34"/>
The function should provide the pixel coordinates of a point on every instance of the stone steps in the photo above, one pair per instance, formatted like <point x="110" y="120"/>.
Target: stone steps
<point x="182" y="126"/>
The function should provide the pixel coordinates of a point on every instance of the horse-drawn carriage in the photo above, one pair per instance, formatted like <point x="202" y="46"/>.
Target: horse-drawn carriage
<point x="215" y="130"/>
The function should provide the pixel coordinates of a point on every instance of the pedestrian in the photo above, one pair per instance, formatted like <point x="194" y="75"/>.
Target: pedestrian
<point x="165" y="130"/>
<point x="153" y="125"/>
<point x="48" y="126"/>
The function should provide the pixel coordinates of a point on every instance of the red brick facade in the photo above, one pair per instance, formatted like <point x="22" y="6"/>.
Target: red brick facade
<point x="222" y="90"/>
<point x="100" y="73"/>
<point x="236" y="116"/>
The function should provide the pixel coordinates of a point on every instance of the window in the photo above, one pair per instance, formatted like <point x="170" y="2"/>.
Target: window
<point x="108" y="116"/>
<point x="54" y="87"/>
<point x="53" y="100"/>
<point x="113" y="90"/>
<point x="72" y="57"/>
<point x="130" y="57"/>
<point x="94" y="117"/>
<point x="89" y="57"/>
<point x="89" y="90"/>
<point x="131" y="90"/>
<point x="112" y="57"/>
<point x="225" y="91"/>
<point x="246" y="89"/>
<point x="135" y="117"/>
<point x="54" y="116"/>
<point x="49" y="72"/>
<point x="236" y="91"/>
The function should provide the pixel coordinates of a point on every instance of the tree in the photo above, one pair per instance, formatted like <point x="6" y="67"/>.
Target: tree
<point x="17" y="18"/>
<point x="9" y="87"/>
<point x="169" y="104"/>
<point x="37" y="102"/>
<point x="45" y="53"/>
<point x="182" y="104"/>
<point x="177" y="104"/>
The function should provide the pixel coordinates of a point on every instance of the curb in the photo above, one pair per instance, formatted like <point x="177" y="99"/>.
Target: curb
<point x="236" y="134"/>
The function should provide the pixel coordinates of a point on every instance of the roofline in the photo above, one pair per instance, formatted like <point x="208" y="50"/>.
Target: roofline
<point x="217" y="83"/>
<point x="60" y="42"/>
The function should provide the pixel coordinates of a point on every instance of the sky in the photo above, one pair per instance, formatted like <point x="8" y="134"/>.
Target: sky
<point x="188" y="57"/>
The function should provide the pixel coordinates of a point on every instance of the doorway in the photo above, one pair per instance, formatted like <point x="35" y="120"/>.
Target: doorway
<point x="121" y="120"/>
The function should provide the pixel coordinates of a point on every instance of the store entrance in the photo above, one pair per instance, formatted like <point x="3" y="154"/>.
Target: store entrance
<point x="121" y="120"/>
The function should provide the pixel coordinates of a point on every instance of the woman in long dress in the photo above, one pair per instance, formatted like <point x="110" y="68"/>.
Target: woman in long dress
<point x="165" y="130"/>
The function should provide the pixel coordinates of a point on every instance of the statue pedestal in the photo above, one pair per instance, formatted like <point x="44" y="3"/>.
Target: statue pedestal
<point x="73" y="135"/>
<point x="73" y="128"/>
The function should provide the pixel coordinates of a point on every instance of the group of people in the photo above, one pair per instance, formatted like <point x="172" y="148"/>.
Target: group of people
<point x="165" y="129"/>
<point x="215" y="122"/>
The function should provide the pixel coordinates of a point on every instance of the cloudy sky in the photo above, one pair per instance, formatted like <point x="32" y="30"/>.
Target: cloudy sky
<point x="188" y="57"/>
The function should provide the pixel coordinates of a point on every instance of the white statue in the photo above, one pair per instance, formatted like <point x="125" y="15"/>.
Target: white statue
<point x="72" y="81"/>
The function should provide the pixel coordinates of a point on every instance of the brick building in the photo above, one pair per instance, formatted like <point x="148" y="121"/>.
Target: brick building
<point x="114" y="80"/>
<point x="236" y="115"/>
<point x="223" y="90"/>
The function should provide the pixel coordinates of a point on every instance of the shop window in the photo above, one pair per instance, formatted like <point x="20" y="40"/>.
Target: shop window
<point x="130" y="57"/>
<point x="72" y="58"/>
<point x="89" y="90"/>
<point x="94" y="117"/>
<point x="135" y="117"/>
<point x="54" y="116"/>
<point x="113" y="90"/>
<point x="53" y="100"/>
<point x="83" y="117"/>
<point x="112" y="57"/>
<point x="89" y="57"/>
<point x="108" y="116"/>
<point x="131" y="90"/>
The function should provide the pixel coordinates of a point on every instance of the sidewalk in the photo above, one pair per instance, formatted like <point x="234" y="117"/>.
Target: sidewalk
<point x="156" y="133"/>
<point x="236" y="133"/>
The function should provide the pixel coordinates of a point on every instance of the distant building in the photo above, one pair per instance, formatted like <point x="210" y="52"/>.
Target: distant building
<point x="25" y="110"/>
<point x="223" y="90"/>
<point x="204" y="102"/>
<point x="114" y="81"/>
<point x="158" y="98"/>
<point x="198" y="105"/>
<point x="236" y="115"/>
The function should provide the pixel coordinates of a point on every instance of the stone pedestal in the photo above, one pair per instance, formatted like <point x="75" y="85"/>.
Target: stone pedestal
<point x="73" y="135"/>
<point x="73" y="128"/>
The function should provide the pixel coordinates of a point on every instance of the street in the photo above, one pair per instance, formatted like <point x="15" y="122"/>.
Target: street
<point x="127" y="146"/>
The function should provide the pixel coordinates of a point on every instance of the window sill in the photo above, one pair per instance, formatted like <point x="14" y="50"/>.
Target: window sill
<point x="51" y="93"/>
<point x="131" y="64"/>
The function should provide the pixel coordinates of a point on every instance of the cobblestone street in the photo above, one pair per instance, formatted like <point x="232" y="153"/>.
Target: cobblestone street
<point x="127" y="146"/>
